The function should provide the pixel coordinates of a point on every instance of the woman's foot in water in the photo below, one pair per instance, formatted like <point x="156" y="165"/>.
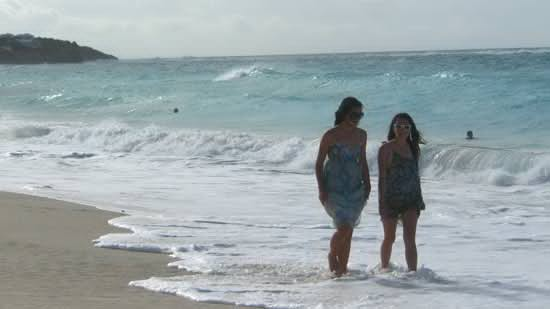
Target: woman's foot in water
<point x="384" y="270"/>
<point x="341" y="270"/>
<point x="332" y="262"/>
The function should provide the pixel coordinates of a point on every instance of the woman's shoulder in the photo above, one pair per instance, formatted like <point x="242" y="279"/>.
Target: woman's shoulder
<point x="387" y="147"/>
<point x="329" y="136"/>
<point x="362" y="132"/>
<point x="329" y="133"/>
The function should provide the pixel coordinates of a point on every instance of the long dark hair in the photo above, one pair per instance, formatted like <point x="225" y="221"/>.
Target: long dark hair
<point x="415" y="138"/>
<point x="345" y="108"/>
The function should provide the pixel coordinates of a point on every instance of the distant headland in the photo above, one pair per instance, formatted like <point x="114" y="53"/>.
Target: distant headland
<point x="28" y="49"/>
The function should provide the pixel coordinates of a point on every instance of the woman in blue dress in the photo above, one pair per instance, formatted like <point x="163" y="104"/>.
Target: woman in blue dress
<point x="399" y="192"/>
<point x="343" y="179"/>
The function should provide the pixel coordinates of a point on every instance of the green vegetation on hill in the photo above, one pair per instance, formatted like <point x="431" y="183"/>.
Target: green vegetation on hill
<point x="27" y="49"/>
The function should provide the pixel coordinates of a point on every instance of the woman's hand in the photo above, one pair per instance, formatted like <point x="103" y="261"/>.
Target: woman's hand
<point x="323" y="197"/>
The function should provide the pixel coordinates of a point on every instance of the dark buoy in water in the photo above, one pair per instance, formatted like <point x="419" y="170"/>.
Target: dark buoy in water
<point x="176" y="110"/>
<point x="469" y="135"/>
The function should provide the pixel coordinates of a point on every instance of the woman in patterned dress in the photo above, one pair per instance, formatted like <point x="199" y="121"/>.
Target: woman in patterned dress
<point x="399" y="192"/>
<point x="343" y="179"/>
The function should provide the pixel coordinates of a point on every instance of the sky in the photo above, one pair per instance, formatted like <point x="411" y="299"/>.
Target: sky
<point x="172" y="28"/>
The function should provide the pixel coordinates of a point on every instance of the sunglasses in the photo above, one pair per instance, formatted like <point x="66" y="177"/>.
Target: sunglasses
<point x="402" y="126"/>
<point x="356" y="115"/>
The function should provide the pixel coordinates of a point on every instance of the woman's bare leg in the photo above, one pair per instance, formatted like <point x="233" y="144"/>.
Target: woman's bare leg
<point x="410" y="220"/>
<point x="347" y="235"/>
<point x="333" y="256"/>
<point x="339" y="250"/>
<point x="390" y="225"/>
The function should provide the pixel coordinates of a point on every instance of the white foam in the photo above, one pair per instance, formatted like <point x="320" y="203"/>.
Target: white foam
<point x="312" y="289"/>
<point x="240" y="211"/>
<point x="48" y="98"/>
<point x="238" y="73"/>
<point x="450" y="75"/>
<point x="501" y="167"/>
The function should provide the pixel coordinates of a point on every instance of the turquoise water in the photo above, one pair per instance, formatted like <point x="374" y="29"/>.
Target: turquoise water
<point x="226" y="185"/>
<point x="503" y="96"/>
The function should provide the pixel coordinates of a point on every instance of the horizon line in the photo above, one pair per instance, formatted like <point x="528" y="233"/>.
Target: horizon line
<point x="411" y="51"/>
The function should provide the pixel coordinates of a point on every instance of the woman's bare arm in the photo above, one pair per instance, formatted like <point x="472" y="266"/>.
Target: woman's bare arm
<point x="319" y="164"/>
<point x="365" y="166"/>
<point x="383" y="164"/>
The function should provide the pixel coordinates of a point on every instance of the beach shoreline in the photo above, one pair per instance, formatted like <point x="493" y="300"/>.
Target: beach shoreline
<point x="49" y="261"/>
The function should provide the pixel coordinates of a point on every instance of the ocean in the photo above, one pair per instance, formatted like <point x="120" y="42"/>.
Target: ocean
<point x="226" y="185"/>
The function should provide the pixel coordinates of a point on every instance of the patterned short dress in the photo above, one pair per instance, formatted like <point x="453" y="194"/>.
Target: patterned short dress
<point x="344" y="184"/>
<point x="402" y="188"/>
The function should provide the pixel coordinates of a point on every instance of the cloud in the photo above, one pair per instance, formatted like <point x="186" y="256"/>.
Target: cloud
<point x="147" y="28"/>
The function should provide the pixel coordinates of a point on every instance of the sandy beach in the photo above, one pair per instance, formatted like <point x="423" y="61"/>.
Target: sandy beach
<point x="48" y="260"/>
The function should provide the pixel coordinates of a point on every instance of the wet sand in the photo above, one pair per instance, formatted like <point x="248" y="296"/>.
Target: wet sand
<point x="47" y="260"/>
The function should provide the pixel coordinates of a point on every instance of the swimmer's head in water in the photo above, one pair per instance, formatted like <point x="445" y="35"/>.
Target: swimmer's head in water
<point x="176" y="110"/>
<point x="469" y="135"/>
